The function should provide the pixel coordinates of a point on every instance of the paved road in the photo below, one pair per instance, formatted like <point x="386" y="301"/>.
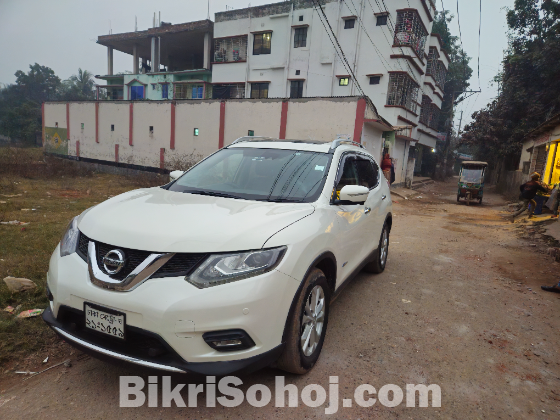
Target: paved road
<point x="453" y="308"/>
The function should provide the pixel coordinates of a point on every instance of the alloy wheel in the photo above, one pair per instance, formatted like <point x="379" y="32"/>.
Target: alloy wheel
<point x="312" y="320"/>
<point x="384" y="248"/>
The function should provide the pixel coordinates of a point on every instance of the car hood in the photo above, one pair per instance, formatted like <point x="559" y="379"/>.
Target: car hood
<point x="155" y="219"/>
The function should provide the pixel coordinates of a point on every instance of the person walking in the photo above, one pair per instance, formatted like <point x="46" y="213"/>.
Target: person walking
<point x="386" y="165"/>
<point x="528" y="192"/>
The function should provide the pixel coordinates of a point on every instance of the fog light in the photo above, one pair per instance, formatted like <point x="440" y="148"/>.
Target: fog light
<point x="227" y="343"/>
<point x="228" y="340"/>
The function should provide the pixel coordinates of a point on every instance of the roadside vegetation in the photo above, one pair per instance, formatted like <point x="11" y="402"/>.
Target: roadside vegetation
<point x="45" y="192"/>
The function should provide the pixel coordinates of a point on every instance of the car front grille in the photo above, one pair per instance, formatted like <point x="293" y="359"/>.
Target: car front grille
<point x="181" y="264"/>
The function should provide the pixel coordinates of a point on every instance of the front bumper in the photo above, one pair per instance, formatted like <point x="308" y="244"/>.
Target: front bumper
<point x="176" y="314"/>
<point x="170" y="361"/>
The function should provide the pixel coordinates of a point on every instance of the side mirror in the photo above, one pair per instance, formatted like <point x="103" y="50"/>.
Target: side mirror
<point x="354" y="193"/>
<point x="174" y="175"/>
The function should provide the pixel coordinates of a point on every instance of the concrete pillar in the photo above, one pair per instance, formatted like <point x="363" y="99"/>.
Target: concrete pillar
<point x="109" y="61"/>
<point x="153" y="58"/>
<point x="207" y="46"/>
<point x="158" y="53"/>
<point x="144" y="64"/>
<point x="135" y="59"/>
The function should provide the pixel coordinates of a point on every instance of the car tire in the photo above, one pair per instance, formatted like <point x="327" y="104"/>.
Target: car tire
<point x="377" y="266"/>
<point x="300" y="356"/>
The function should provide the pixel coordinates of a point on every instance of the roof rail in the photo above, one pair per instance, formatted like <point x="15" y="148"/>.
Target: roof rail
<point x="253" y="138"/>
<point x="337" y="142"/>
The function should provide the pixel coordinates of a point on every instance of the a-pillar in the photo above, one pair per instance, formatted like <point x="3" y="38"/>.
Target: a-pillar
<point x="110" y="61"/>
<point x="207" y="45"/>
<point x="135" y="59"/>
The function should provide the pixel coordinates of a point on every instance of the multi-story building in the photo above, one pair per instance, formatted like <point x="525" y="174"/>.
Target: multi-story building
<point x="293" y="49"/>
<point x="168" y="62"/>
<point x="297" y="49"/>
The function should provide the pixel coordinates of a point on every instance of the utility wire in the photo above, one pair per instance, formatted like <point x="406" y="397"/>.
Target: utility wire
<point x="341" y="55"/>
<point x="479" y="27"/>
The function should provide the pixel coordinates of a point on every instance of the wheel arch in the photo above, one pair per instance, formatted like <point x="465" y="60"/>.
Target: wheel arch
<point x="326" y="262"/>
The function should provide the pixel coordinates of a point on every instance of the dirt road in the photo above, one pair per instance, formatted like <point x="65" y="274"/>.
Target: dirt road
<point x="459" y="305"/>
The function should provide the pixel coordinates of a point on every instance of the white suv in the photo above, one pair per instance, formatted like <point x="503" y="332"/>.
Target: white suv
<point x="228" y="268"/>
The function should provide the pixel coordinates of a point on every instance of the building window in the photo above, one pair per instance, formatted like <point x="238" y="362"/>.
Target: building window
<point x="231" y="91"/>
<point x="433" y="58"/>
<point x="434" y="117"/>
<point x="230" y="49"/>
<point x="112" y="127"/>
<point x="259" y="90"/>
<point x="301" y="18"/>
<point x="410" y="31"/>
<point x="151" y="129"/>
<point x="381" y="20"/>
<point x="349" y="23"/>
<point x="425" y="110"/>
<point x="251" y="133"/>
<point x="343" y="81"/>
<point x="403" y="91"/>
<point x="300" y="37"/>
<point x="82" y="126"/>
<point x="298" y="72"/>
<point x="164" y="91"/>
<point x="296" y="89"/>
<point x="261" y="43"/>
<point x="374" y="80"/>
<point x="136" y="92"/>
<point x="195" y="132"/>
<point x="191" y="91"/>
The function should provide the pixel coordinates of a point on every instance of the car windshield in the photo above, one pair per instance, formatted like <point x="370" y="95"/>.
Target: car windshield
<point x="258" y="174"/>
<point x="471" y="175"/>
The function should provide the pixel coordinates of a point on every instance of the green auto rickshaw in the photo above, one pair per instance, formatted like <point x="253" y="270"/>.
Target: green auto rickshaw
<point x="471" y="181"/>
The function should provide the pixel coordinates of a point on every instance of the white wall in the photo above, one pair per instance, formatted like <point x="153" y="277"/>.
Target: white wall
<point x="307" y="118"/>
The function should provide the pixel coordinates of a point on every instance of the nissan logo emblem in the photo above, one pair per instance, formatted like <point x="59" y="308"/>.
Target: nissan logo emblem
<point x="113" y="261"/>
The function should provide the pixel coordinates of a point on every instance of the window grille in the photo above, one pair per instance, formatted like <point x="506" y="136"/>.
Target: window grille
<point x="434" y="116"/>
<point x="296" y="89"/>
<point x="231" y="91"/>
<point x="230" y="49"/>
<point x="259" y="90"/>
<point x="433" y="57"/>
<point x="403" y="91"/>
<point x="300" y="37"/>
<point x="262" y="43"/>
<point x="440" y="75"/>
<point x="191" y="91"/>
<point x="409" y="31"/>
<point x="425" y="111"/>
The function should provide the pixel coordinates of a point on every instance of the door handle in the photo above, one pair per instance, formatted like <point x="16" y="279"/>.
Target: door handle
<point x="367" y="210"/>
<point x="383" y="197"/>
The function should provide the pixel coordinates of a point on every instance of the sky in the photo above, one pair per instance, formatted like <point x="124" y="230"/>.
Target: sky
<point x="62" y="34"/>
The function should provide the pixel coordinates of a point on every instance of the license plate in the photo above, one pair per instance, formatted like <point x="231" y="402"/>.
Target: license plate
<point x="105" y="320"/>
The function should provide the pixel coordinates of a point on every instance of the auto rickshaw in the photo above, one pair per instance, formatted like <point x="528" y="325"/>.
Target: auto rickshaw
<point x="471" y="181"/>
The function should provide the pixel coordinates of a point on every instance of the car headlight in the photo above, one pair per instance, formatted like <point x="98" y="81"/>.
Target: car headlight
<point x="225" y="268"/>
<point x="69" y="241"/>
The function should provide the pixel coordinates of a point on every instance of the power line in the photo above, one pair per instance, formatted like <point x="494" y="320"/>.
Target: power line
<point x="479" y="27"/>
<point x="341" y="55"/>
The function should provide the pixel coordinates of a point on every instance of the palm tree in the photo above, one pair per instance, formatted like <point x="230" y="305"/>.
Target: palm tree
<point x="81" y="85"/>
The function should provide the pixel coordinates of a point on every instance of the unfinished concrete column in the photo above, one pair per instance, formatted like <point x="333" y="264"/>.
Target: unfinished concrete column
<point x="206" y="62"/>
<point x="135" y="59"/>
<point x="153" y="58"/>
<point x="110" y="61"/>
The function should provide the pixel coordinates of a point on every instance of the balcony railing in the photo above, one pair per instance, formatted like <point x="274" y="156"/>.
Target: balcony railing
<point x="410" y="31"/>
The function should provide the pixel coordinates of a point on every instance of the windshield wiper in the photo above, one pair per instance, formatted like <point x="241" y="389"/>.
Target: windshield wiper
<point x="284" y="200"/>
<point x="211" y="193"/>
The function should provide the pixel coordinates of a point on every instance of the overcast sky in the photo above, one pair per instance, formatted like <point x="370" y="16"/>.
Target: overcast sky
<point x="61" y="34"/>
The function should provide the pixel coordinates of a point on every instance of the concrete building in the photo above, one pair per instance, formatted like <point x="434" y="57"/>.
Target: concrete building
<point x="168" y="62"/>
<point x="287" y="49"/>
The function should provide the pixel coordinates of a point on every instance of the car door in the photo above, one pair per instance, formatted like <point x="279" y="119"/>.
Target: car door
<point x="369" y="176"/>
<point x="351" y="219"/>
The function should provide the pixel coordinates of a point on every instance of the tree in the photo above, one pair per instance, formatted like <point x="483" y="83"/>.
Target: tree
<point x="79" y="87"/>
<point x="529" y="84"/>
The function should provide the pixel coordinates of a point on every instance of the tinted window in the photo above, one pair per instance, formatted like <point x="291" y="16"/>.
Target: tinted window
<point x="367" y="173"/>
<point x="262" y="43"/>
<point x="259" y="174"/>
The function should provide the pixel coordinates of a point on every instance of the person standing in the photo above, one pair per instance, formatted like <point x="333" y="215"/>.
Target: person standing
<point x="386" y="165"/>
<point x="528" y="192"/>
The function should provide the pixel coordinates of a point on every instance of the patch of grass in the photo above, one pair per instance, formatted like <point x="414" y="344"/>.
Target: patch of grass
<point x="58" y="190"/>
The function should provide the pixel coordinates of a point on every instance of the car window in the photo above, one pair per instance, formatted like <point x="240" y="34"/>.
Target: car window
<point x="367" y="174"/>
<point x="259" y="174"/>
<point x="349" y="173"/>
